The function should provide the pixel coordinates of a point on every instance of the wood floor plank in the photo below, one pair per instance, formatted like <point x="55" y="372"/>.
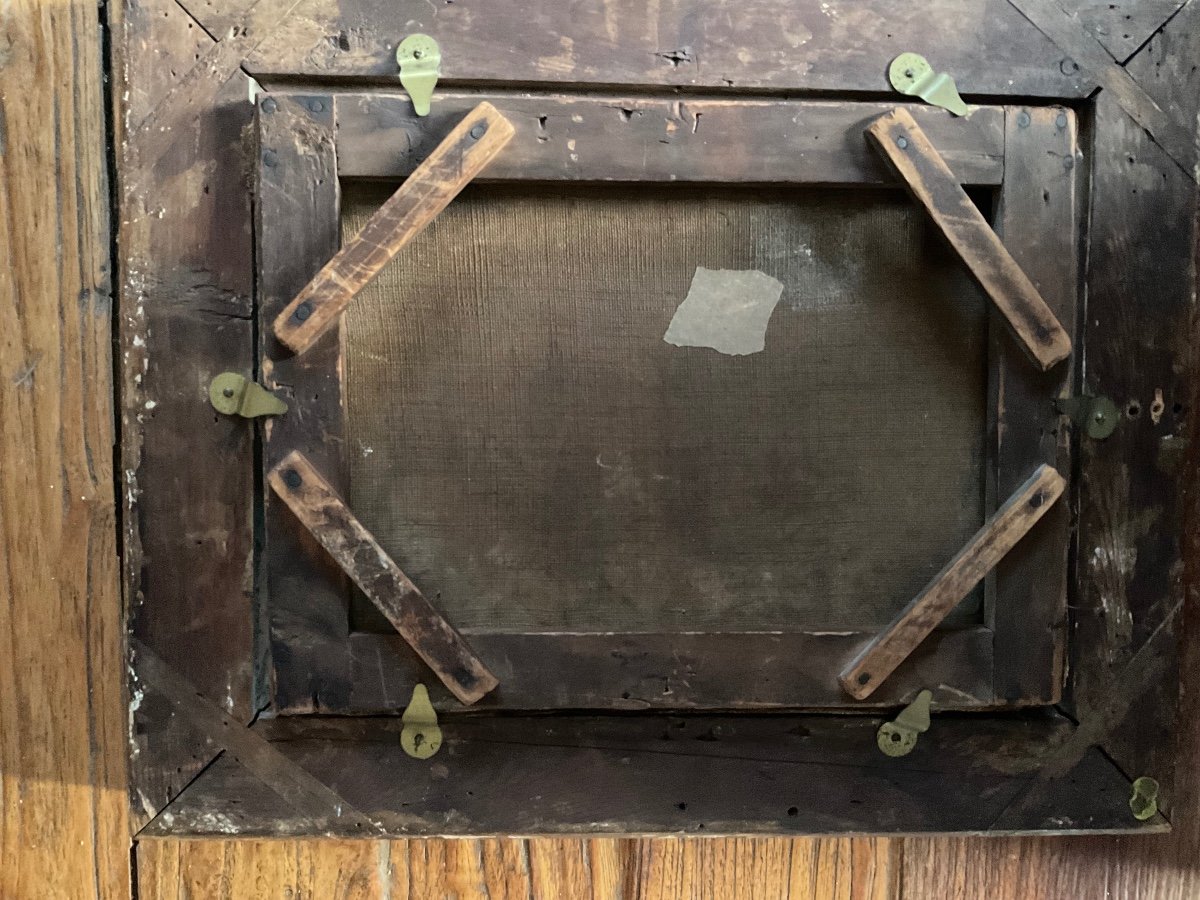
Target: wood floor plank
<point x="522" y="869"/>
<point x="63" y="822"/>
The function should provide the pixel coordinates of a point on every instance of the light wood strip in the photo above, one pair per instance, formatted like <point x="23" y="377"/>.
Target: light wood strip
<point x="524" y="869"/>
<point x="461" y="156"/>
<point x="900" y="140"/>
<point x="331" y="522"/>
<point x="64" y="730"/>
<point x="914" y="623"/>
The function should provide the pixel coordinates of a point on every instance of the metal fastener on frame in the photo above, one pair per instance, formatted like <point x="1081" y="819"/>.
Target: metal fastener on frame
<point x="1143" y="802"/>
<point x="1097" y="416"/>
<point x="899" y="736"/>
<point x="420" y="737"/>
<point x="911" y="74"/>
<point x="420" y="59"/>
<point x="236" y="395"/>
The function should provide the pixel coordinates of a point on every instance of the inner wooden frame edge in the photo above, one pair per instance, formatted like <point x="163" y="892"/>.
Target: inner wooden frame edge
<point x="321" y="666"/>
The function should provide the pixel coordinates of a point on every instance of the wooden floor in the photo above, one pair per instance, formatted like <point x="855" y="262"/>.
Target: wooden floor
<point x="63" y="820"/>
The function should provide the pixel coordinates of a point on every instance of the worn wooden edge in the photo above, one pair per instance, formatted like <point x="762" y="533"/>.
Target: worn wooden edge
<point x="647" y="671"/>
<point x="353" y="681"/>
<point x="305" y="594"/>
<point x="1125" y="29"/>
<point x="916" y="161"/>
<point x="318" y="507"/>
<point x="999" y="534"/>
<point x="307" y="795"/>
<point x="992" y="50"/>
<point x="1038" y="217"/>
<point x="184" y="277"/>
<point x="671" y="774"/>
<point x="636" y="138"/>
<point x="1172" y="130"/>
<point x="64" y="726"/>
<point x="461" y="155"/>
<point x="195" y="91"/>
<point x="1136" y="536"/>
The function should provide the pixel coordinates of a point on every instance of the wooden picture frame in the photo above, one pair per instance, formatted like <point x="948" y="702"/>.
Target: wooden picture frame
<point x="1096" y="593"/>
<point x="1014" y="658"/>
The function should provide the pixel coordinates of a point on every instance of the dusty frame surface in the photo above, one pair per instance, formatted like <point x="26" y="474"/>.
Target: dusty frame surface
<point x="186" y="295"/>
<point x="1015" y="657"/>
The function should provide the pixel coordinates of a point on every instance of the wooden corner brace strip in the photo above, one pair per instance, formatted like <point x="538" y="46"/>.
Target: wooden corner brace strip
<point x="910" y="154"/>
<point x="464" y="153"/>
<point x="330" y="521"/>
<point x="998" y="535"/>
<point x="305" y="793"/>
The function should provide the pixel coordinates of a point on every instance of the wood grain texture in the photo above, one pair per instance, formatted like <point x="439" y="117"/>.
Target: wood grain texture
<point x="1137" y="867"/>
<point x="309" y="798"/>
<point x="660" y="773"/>
<point x="186" y="279"/>
<point x="193" y="92"/>
<point x="318" y="507"/>
<point x="999" y="534"/>
<point x="672" y="670"/>
<point x="1166" y="68"/>
<point x="305" y="592"/>
<point x="523" y="869"/>
<point x="1134" y="570"/>
<point x="916" y="161"/>
<point x="1175" y="133"/>
<point x="763" y="45"/>
<point x="1153" y="867"/>
<point x="462" y="154"/>
<point x="635" y="138"/>
<point x="1038" y="217"/>
<point x="64" y="824"/>
<point x="1124" y="26"/>
<point x="1135" y="488"/>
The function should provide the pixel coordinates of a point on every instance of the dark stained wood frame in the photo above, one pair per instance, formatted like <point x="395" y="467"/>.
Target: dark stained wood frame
<point x="320" y="665"/>
<point x="185" y="312"/>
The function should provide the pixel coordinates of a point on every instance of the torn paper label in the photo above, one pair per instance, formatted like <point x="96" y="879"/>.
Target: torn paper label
<point x="727" y="310"/>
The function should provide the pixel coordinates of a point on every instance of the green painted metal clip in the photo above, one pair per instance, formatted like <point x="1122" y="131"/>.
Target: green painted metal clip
<point x="911" y="74"/>
<point x="899" y="736"/>
<point x="419" y="58"/>
<point x="1097" y="416"/>
<point x="236" y="395"/>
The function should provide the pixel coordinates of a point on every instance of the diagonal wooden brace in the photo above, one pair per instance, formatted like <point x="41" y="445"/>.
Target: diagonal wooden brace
<point x="910" y="154"/>
<point x="310" y="797"/>
<point x="462" y="155"/>
<point x="999" y="534"/>
<point x="352" y="547"/>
